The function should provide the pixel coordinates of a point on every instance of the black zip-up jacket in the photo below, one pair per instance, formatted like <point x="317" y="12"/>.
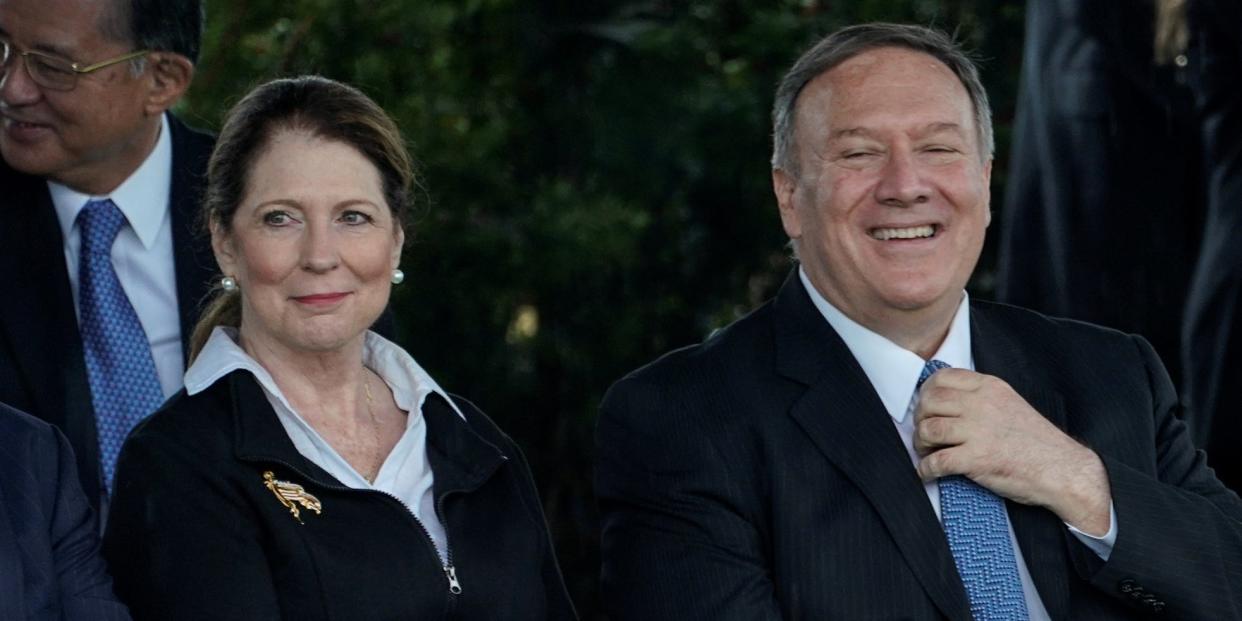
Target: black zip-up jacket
<point x="197" y="531"/>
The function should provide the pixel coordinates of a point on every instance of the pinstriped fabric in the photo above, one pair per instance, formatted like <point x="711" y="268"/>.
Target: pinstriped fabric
<point x="50" y="567"/>
<point x="974" y="522"/>
<point x="758" y="476"/>
<point x="119" y="367"/>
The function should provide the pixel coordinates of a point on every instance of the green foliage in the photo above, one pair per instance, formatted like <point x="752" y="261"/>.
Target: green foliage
<point x="597" y="185"/>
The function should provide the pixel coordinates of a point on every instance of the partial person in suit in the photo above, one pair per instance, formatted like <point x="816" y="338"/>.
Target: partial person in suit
<point x="1212" y="334"/>
<point x="875" y="444"/>
<point x="311" y="469"/>
<point x="1103" y="204"/>
<point x="50" y="567"/>
<point x="108" y="266"/>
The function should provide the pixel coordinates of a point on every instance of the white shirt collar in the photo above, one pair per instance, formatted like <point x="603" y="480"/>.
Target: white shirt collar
<point x="142" y="197"/>
<point x="410" y="384"/>
<point x="892" y="370"/>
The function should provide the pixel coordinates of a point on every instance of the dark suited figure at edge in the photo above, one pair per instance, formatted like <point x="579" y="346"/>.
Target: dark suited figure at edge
<point x="1212" y="336"/>
<point x="104" y="258"/>
<point x="311" y="469"/>
<point x="1104" y="202"/>
<point x="873" y="443"/>
<point x="50" y="567"/>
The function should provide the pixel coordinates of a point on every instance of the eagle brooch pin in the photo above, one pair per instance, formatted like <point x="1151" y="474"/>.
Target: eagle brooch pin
<point x="291" y="495"/>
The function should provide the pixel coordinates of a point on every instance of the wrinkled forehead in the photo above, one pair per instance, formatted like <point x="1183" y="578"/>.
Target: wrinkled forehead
<point x="891" y="86"/>
<point x="891" y="61"/>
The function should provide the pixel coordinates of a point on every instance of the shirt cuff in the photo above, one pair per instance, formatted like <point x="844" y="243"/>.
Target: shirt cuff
<point x="1102" y="546"/>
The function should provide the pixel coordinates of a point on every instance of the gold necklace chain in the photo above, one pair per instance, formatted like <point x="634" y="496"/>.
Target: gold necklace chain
<point x="375" y="455"/>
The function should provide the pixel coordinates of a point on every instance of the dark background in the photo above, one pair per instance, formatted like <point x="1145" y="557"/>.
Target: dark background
<point x="596" y="182"/>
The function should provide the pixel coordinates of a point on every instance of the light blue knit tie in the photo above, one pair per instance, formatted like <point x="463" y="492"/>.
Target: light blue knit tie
<point x="976" y="526"/>
<point x="119" y="367"/>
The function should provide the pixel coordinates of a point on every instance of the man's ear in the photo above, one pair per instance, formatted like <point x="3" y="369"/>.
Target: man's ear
<point x="169" y="78"/>
<point x="785" y="186"/>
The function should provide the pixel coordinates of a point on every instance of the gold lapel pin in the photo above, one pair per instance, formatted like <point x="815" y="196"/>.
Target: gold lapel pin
<point x="291" y="495"/>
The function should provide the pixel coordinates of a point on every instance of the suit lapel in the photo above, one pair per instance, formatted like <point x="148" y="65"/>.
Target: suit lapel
<point x="192" y="256"/>
<point x="41" y="324"/>
<point x="845" y="419"/>
<point x="1040" y="535"/>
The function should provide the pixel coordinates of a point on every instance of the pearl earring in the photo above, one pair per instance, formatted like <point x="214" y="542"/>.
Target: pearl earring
<point x="229" y="284"/>
<point x="398" y="277"/>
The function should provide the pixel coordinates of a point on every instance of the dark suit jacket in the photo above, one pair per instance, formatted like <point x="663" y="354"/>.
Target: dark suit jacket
<point x="50" y="568"/>
<point x="1103" y="203"/>
<point x="195" y="534"/>
<point x="758" y="476"/>
<point x="42" y="369"/>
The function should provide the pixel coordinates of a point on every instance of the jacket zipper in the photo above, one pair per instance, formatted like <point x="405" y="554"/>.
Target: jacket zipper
<point x="450" y="572"/>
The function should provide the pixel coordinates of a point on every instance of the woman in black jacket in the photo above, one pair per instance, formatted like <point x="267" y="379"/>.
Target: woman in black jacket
<point x="311" y="469"/>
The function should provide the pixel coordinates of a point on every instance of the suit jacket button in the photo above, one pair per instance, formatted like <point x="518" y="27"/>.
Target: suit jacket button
<point x="1127" y="586"/>
<point x="1157" y="607"/>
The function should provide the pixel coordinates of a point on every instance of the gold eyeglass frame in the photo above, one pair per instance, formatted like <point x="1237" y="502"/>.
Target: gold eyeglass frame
<point x="10" y="51"/>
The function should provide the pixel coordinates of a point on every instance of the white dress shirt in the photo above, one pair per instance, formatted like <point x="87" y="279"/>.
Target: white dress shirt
<point x="405" y="474"/>
<point x="894" y="373"/>
<point x="142" y="254"/>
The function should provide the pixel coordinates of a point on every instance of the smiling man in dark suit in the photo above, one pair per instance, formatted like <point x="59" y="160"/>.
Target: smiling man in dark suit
<point x="100" y="194"/>
<point x="872" y="443"/>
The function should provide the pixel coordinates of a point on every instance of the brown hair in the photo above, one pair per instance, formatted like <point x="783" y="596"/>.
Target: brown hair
<point x="316" y="105"/>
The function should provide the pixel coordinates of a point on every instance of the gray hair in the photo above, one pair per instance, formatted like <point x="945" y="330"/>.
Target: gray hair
<point x="849" y="42"/>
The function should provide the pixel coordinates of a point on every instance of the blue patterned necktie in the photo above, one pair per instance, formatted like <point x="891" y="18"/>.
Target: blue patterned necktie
<point x="978" y="533"/>
<point x="119" y="367"/>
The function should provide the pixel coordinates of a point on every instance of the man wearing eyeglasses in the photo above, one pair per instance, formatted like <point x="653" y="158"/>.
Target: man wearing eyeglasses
<point x="99" y="191"/>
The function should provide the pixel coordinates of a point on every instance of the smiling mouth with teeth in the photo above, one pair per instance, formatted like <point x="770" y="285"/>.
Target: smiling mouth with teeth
<point x="913" y="232"/>
<point x="20" y="124"/>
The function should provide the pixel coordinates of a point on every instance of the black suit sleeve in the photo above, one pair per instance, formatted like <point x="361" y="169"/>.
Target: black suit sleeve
<point x="679" y="541"/>
<point x="1179" y="538"/>
<point x="84" y="585"/>
<point x="179" y="540"/>
<point x="560" y="606"/>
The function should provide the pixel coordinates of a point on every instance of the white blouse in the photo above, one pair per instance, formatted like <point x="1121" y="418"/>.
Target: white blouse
<point x="405" y="474"/>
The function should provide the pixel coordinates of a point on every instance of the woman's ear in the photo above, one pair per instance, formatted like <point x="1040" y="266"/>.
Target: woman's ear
<point x="223" y="247"/>
<point x="398" y="244"/>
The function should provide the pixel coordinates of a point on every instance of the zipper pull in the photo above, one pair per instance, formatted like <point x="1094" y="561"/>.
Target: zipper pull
<point x="454" y="585"/>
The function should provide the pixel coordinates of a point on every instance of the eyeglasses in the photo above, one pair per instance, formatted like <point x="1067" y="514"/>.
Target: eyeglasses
<point x="53" y="72"/>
